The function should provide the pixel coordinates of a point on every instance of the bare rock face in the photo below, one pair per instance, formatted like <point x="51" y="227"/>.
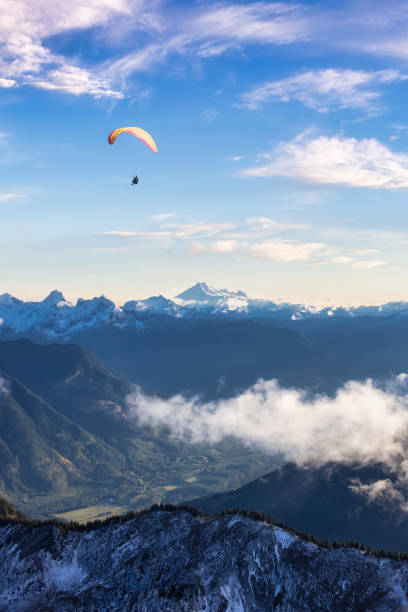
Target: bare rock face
<point x="177" y="561"/>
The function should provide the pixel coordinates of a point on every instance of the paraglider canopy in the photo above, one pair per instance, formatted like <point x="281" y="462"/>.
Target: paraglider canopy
<point x="135" y="131"/>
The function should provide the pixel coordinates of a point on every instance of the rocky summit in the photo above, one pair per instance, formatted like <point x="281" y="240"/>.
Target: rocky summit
<point x="179" y="560"/>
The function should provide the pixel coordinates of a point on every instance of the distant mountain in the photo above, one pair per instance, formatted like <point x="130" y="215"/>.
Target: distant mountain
<point x="212" y="357"/>
<point x="67" y="439"/>
<point x="220" y="342"/>
<point x="55" y="318"/>
<point x="201" y="292"/>
<point x="324" y="502"/>
<point x="177" y="561"/>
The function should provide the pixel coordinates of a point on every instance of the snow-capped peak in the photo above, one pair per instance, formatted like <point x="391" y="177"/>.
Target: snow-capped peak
<point x="6" y="299"/>
<point x="201" y="292"/>
<point x="54" y="298"/>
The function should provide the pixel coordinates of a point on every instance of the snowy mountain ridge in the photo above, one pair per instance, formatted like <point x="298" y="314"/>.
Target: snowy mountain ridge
<point x="177" y="560"/>
<point x="55" y="317"/>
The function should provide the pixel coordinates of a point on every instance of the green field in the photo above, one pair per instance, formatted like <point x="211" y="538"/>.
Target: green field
<point x="90" y="513"/>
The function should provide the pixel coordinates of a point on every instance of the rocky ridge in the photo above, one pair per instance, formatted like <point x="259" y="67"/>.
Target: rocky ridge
<point x="180" y="560"/>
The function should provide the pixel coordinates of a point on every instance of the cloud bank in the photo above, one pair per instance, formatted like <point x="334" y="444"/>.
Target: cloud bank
<point x="362" y="423"/>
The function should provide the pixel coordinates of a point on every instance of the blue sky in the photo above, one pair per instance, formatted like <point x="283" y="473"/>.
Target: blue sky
<point x="283" y="148"/>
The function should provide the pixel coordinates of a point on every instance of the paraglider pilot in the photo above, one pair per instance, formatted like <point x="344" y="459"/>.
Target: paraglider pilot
<point x="135" y="180"/>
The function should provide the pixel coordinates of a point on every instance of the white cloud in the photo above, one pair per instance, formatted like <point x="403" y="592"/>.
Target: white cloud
<point x="369" y="264"/>
<point x="234" y="158"/>
<point x="385" y="492"/>
<point x="74" y="80"/>
<point x="224" y="246"/>
<point x="338" y="161"/>
<point x="212" y="30"/>
<point x="125" y="233"/>
<point x="362" y="252"/>
<point x="24" y="58"/>
<point x="154" y="30"/>
<point x="209" y="115"/>
<point x="163" y="216"/>
<point x="275" y="250"/>
<point x="194" y="248"/>
<point x="6" y="83"/>
<point x="107" y="249"/>
<point x="176" y="230"/>
<point x="261" y="238"/>
<point x="8" y="196"/>
<point x="341" y="259"/>
<point x="280" y="250"/>
<point x="258" y="225"/>
<point x="323" y="90"/>
<point x="362" y="423"/>
<point x="262" y="22"/>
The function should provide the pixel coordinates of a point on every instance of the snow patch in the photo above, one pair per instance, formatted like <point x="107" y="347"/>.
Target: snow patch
<point x="4" y="388"/>
<point x="284" y="538"/>
<point x="231" y="594"/>
<point x="63" y="575"/>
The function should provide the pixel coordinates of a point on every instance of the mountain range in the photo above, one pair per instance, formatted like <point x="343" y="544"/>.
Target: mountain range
<point x="56" y="318"/>
<point x="201" y="343"/>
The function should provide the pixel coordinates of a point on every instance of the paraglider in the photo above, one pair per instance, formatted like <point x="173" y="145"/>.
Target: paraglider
<point x="139" y="133"/>
<point x="135" y="131"/>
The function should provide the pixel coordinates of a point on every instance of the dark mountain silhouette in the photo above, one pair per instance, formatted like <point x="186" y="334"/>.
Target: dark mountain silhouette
<point x="320" y="501"/>
<point x="173" y="356"/>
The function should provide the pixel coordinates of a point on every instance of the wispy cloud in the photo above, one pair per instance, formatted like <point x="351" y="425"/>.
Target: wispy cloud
<point x="209" y="115"/>
<point x="163" y="216"/>
<point x="363" y="252"/>
<point x="337" y="161"/>
<point x="25" y="58"/>
<point x="262" y="225"/>
<point x="324" y="90"/>
<point x="74" y="80"/>
<point x="275" y="250"/>
<point x="369" y="264"/>
<point x="279" y="250"/>
<point x="263" y="238"/>
<point x="208" y="31"/>
<point x="264" y="22"/>
<point x="107" y="249"/>
<point x="176" y="230"/>
<point x="8" y="196"/>
<point x="144" y="34"/>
